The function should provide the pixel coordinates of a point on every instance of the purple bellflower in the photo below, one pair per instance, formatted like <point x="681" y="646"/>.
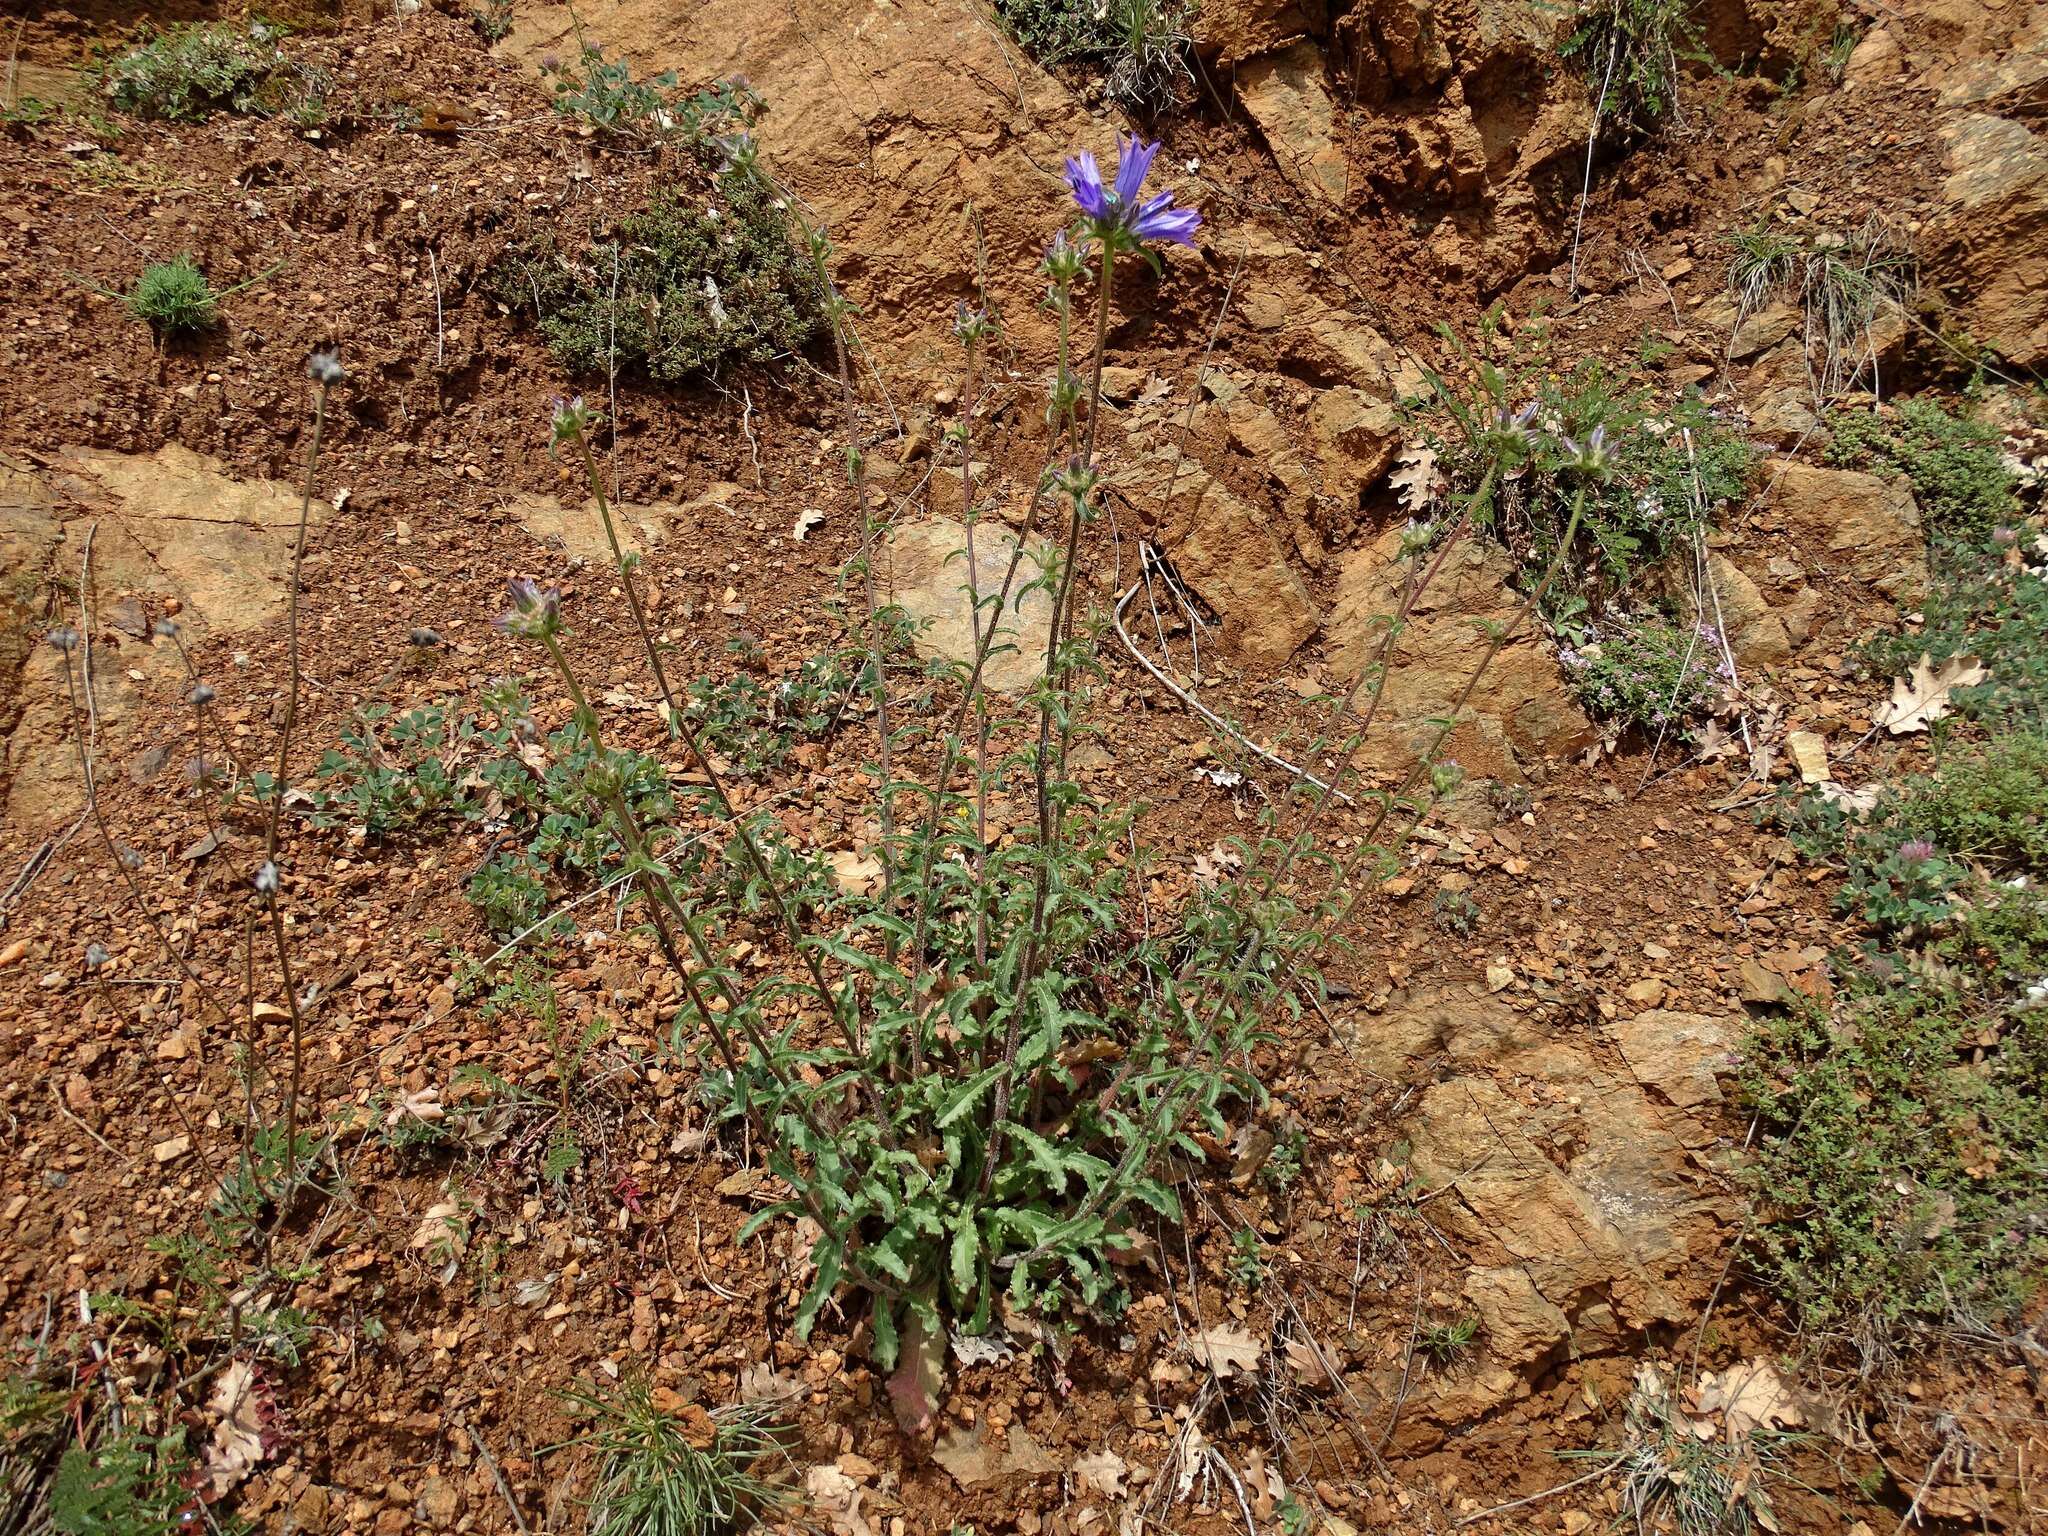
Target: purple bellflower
<point x="1114" y="213"/>
<point x="1590" y="456"/>
<point x="535" y="612"/>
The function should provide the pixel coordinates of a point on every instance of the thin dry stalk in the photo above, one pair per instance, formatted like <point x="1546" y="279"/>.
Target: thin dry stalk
<point x="324" y="375"/>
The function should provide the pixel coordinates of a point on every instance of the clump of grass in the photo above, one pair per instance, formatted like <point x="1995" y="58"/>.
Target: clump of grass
<point x="1765" y="260"/>
<point x="174" y="297"/>
<point x="188" y="73"/>
<point x="1674" y="1478"/>
<point x="1444" y="1345"/>
<point x="687" y="286"/>
<point x="1140" y="46"/>
<point x="680" y="1472"/>
<point x="1846" y="285"/>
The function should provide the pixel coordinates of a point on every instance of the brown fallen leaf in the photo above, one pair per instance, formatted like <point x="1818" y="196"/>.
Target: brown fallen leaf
<point x="245" y="1434"/>
<point x="856" y="873"/>
<point x="1104" y="1471"/>
<point x="1922" y="696"/>
<point x="839" y="1498"/>
<point x="1715" y="742"/>
<point x="1748" y="1396"/>
<point x="762" y="1383"/>
<point x="1217" y="865"/>
<point x="1226" y="1351"/>
<point x="1858" y="802"/>
<point x="207" y="844"/>
<point x="1306" y="1366"/>
<point x="1253" y="1146"/>
<point x="1414" y="478"/>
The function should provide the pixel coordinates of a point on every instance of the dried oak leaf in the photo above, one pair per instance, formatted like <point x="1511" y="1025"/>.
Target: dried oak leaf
<point x="856" y="873"/>
<point x="762" y="1383"/>
<point x="1414" y="478"/>
<point x="1749" y="1395"/>
<point x="1104" y="1471"/>
<point x="245" y="1435"/>
<point x="1226" y="1351"/>
<point x="1922" y="696"/>
<point x="838" y="1497"/>
<point x="1217" y="865"/>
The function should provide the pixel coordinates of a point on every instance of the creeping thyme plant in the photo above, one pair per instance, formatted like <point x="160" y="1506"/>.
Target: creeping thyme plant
<point x="977" y="1069"/>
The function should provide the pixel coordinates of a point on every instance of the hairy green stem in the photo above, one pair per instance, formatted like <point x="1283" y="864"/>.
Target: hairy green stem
<point x="1055" y="677"/>
<point x="856" y="460"/>
<point x="664" y="903"/>
<point x="292" y="1087"/>
<point x="99" y="821"/>
<point x="284" y="747"/>
<point x="681" y="726"/>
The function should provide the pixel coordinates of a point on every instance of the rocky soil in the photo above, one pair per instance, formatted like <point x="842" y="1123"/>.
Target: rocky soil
<point x="1530" y="1125"/>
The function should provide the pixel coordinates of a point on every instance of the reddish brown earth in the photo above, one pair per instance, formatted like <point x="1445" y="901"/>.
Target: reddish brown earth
<point x="1491" y="1125"/>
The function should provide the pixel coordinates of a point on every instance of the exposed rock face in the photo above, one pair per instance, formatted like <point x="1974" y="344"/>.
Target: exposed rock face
<point x="1521" y="701"/>
<point x="1226" y="552"/>
<point x="1355" y="437"/>
<point x="1991" y="71"/>
<point x="1394" y="44"/>
<point x="1683" y="1056"/>
<point x="168" y="527"/>
<point x="1877" y="59"/>
<point x="221" y="545"/>
<point x="1990" y="241"/>
<point x="1572" y="1183"/>
<point x="1285" y="94"/>
<point x="1228" y="32"/>
<point x="1755" y="627"/>
<point x="923" y="567"/>
<point x="1870" y="525"/>
<point x="579" y="532"/>
<point x="1609" y="1226"/>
